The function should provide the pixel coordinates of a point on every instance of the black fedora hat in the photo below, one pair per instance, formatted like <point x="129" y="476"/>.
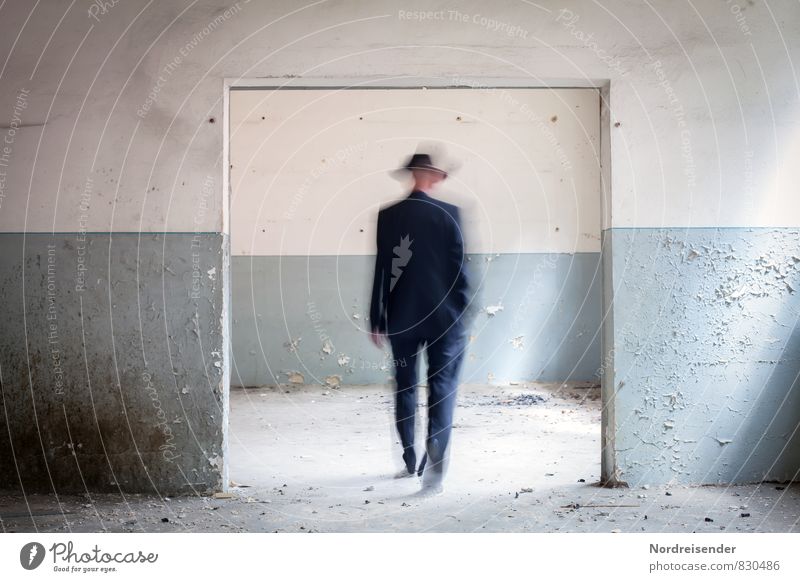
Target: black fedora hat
<point x="419" y="161"/>
<point x="422" y="162"/>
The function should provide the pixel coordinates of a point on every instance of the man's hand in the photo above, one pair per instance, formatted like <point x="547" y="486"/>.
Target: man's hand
<point x="377" y="338"/>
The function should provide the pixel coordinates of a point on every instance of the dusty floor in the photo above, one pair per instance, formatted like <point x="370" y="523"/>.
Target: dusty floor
<point x="310" y="459"/>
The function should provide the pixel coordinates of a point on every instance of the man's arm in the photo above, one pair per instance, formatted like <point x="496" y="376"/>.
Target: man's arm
<point x="377" y="309"/>
<point x="458" y="263"/>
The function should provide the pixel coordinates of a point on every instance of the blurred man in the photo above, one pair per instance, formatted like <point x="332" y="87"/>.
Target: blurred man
<point x="419" y="297"/>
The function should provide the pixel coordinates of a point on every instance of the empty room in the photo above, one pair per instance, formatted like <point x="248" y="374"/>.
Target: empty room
<point x="316" y="406"/>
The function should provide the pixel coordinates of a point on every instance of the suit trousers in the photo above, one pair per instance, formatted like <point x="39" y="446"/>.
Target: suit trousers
<point x="445" y="353"/>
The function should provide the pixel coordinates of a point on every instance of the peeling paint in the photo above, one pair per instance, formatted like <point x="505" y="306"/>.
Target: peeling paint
<point x="293" y="344"/>
<point x="706" y="346"/>
<point x="294" y="377"/>
<point x="493" y="310"/>
<point x="333" y="381"/>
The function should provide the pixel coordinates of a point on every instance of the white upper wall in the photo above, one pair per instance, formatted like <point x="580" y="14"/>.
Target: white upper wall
<point x="705" y="94"/>
<point x="309" y="168"/>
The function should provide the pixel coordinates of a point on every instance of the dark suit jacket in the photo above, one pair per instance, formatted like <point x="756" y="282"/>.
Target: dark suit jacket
<point x="420" y="285"/>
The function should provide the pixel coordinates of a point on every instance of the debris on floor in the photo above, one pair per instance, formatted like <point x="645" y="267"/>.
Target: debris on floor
<point x="307" y="462"/>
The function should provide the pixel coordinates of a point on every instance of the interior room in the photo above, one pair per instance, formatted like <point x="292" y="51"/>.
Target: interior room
<point x="190" y="196"/>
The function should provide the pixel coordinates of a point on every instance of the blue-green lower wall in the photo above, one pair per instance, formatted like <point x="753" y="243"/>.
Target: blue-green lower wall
<point x="285" y="308"/>
<point x="119" y="385"/>
<point x="703" y="355"/>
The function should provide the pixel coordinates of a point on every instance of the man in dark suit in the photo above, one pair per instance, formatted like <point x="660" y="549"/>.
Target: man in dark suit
<point x="419" y="298"/>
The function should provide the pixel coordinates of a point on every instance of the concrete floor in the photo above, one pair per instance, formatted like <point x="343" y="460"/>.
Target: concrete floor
<point x="311" y="459"/>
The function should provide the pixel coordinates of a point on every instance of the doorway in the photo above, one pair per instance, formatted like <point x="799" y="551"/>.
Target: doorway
<point x="308" y="173"/>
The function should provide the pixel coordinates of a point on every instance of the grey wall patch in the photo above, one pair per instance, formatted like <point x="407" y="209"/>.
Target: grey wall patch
<point x="121" y="356"/>
<point x="551" y="300"/>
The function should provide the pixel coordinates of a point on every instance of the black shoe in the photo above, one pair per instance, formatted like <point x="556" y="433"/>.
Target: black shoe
<point x="432" y="482"/>
<point x="431" y="490"/>
<point x="422" y="465"/>
<point x="403" y="474"/>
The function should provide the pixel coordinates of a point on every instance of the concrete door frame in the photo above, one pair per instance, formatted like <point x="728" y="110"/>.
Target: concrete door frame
<point x="608" y="472"/>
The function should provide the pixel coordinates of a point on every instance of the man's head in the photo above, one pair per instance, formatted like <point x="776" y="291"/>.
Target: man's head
<point x="424" y="178"/>
<point x="424" y="172"/>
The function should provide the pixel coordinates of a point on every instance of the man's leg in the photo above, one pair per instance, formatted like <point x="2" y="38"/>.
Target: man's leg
<point x="445" y="355"/>
<point x="404" y="351"/>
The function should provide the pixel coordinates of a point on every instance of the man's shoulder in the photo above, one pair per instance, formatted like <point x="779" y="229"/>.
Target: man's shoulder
<point x="394" y="207"/>
<point x="407" y="203"/>
<point x="450" y="209"/>
<point x="389" y="208"/>
<point x="442" y="205"/>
